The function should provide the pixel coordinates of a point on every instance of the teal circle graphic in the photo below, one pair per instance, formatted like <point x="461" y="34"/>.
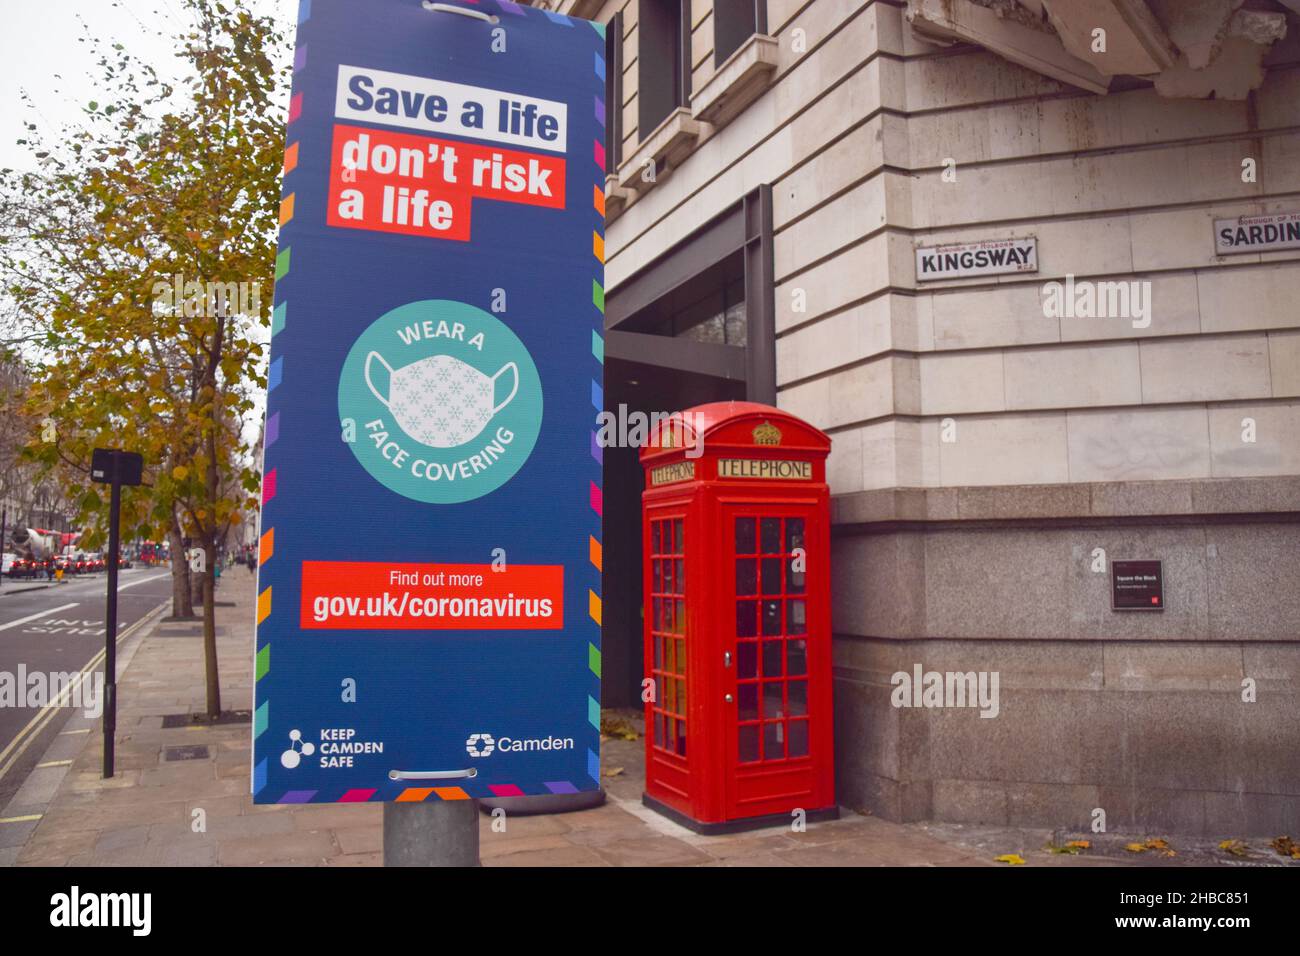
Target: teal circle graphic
<point x="446" y="401"/>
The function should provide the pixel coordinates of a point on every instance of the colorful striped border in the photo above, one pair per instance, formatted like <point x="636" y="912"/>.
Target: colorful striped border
<point x="271" y="430"/>
<point x="595" y="548"/>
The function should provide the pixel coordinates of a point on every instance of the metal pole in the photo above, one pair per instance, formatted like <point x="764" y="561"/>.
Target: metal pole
<point x="432" y="833"/>
<point x="4" y="532"/>
<point x="110" y="622"/>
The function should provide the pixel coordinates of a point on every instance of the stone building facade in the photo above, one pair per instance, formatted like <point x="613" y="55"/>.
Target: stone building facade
<point x="773" y="170"/>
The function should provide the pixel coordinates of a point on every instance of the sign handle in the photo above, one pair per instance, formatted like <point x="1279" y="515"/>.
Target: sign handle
<point x="448" y="8"/>
<point x="432" y="774"/>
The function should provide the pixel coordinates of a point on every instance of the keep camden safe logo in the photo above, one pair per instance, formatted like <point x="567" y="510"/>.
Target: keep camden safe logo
<point x="446" y="401"/>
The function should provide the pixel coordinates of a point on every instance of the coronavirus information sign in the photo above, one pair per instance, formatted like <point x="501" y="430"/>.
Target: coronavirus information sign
<point x="428" y="604"/>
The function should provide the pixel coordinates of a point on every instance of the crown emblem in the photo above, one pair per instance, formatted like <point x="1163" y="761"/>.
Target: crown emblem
<point x="767" y="434"/>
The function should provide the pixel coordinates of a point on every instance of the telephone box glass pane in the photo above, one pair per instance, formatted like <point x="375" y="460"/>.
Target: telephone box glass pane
<point x="746" y="576"/>
<point x="659" y="652"/>
<point x="679" y="619"/>
<point x="681" y="738"/>
<point x="772" y="703"/>
<point x="796" y="657"/>
<point x="667" y="575"/>
<point x="772" y="658"/>
<point x="771" y="618"/>
<point x="793" y="534"/>
<point x="770" y="535"/>
<point x="654" y="537"/>
<point x="771" y="575"/>
<point x="658" y="576"/>
<point x="749" y="702"/>
<point x="796" y="617"/>
<point x="659" y="729"/>
<point x="794" y="581"/>
<point x="679" y="537"/>
<point x="747" y="659"/>
<point x="773" y="740"/>
<point x="748" y="739"/>
<point x="681" y="657"/>
<point x="798" y="698"/>
<point x="746" y="618"/>
<point x="679" y="575"/>
<point x="798" y="738"/>
<point x="745" y="530"/>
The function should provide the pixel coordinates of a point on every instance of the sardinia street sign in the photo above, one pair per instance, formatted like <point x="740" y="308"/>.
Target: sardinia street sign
<point x="428" y="594"/>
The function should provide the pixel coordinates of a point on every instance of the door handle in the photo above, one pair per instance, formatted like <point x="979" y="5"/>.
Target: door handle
<point x="729" y="698"/>
<point x="726" y="658"/>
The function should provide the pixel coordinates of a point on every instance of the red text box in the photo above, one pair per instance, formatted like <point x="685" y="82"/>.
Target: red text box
<point x="377" y="595"/>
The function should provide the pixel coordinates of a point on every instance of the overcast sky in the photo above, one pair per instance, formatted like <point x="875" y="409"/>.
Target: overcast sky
<point x="40" y="53"/>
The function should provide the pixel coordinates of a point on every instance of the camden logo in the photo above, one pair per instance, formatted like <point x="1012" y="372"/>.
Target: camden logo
<point x="484" y="745"/>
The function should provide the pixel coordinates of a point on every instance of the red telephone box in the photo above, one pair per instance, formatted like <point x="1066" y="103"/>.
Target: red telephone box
<point x="736" y="558"/>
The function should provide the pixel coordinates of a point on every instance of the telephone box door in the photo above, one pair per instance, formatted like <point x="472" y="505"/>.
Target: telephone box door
<point x="776" y="659"/>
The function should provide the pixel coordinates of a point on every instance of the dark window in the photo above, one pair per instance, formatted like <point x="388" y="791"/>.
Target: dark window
<point x="614" y="92"/>
<point x="734" y="22"/>
<point x="663" y="61"/>
<point x="710" y="307"/>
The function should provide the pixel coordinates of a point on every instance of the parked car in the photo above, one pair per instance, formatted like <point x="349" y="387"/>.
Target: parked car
<point x="24" y="568"/>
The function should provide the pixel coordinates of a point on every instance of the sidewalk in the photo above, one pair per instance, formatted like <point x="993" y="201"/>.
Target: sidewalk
<point x="14" y="587"/>
<point x="148" y="813"/>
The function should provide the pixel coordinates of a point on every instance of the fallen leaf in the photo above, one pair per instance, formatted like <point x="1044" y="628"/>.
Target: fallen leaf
<point x="1157" y="844"/>
<point x="1072" y="848"/>
<point x="1285" y="846"/>
<point x="618" y="727"/>
<point x="613" y="771"/>
<point x="1013" y="858"/>
<point x="1235" y="847"/>
<point x="1135" y="847"/>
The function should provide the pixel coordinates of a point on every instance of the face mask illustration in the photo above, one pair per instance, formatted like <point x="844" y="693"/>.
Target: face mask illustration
<point x="440" y="401"/>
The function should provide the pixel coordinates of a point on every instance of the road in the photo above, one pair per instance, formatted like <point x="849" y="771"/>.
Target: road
<point x="59" y="629"/>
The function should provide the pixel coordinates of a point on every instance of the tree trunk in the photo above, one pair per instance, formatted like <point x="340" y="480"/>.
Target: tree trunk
<point x="210" y="625"/>
<point x="196" y="584"/>
<point x="182" y="603"/>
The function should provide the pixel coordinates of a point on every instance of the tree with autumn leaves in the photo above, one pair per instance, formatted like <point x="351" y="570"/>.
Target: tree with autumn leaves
<point x="139" y="259"/>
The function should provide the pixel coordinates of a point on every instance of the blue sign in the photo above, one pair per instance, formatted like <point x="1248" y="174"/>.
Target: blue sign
<point x="429" y="568"/>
